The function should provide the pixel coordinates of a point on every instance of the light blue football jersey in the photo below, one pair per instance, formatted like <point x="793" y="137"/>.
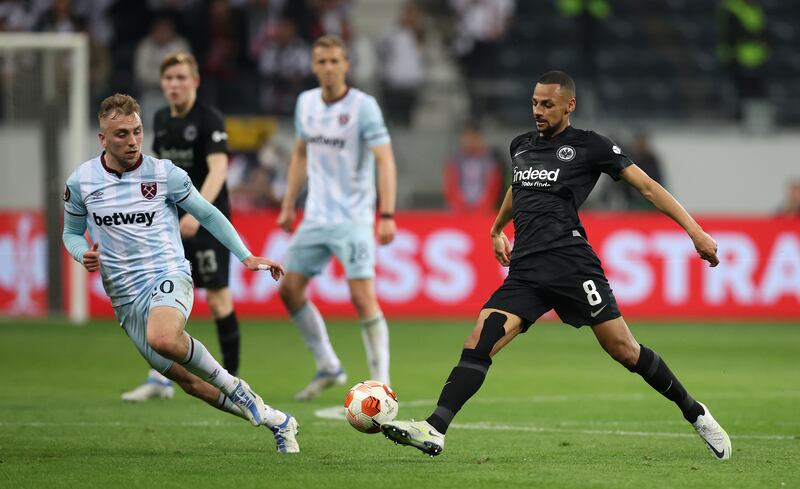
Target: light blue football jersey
<point x="341" y="168"/>
<point x="134" y="219"/>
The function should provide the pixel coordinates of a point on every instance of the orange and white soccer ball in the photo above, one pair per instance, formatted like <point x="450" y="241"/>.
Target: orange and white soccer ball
<point x="369" y="404"/>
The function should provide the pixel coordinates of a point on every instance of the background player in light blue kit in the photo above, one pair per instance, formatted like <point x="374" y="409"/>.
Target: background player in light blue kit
<point x="129" y="202"/>
<point x="341" y="138"/>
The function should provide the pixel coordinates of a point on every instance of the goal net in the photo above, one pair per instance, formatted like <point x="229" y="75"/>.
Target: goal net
<point x="44" y="106"/>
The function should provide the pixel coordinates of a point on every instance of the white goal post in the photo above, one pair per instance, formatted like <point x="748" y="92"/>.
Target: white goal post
<point x="71" y="52"/>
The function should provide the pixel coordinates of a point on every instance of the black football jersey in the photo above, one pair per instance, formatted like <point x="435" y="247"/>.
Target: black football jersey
<point x="551" y="179"/>
<point x="187" y="142"/>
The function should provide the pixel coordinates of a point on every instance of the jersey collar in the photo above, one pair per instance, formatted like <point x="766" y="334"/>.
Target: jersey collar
<point x="331" y="102"/>
<point x="537" y="139"/>
<point x="115" y="172"/>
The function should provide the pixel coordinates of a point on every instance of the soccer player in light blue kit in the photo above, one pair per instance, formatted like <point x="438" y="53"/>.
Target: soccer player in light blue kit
<point x="129" y="202"/>
<point x="341" y="139"/>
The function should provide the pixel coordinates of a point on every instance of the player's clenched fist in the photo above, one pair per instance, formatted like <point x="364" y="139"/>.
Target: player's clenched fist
<point x="91" y="259"/>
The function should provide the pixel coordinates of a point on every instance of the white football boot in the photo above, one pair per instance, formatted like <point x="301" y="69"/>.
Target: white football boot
<point x="155" y="387"/>
<point x="716" y="439"/>
<point x="418" y="434"/>
<point x="248" y="401"/>
<point x="286" y="435"/>
<point x="321" y="381"/>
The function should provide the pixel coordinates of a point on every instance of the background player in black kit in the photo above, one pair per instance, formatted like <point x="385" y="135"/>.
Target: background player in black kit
<point x="193" y="136"/>
<point x="554" y="267"/>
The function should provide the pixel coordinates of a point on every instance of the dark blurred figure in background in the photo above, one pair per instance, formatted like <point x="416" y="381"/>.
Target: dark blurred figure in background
<point x="162" y="40"/>
<point x="402" y="70"/>
<point x="587" y="15"/>
<point x="283" y="59"/>
<point x="743" y="48"/>
<point x="623" y="197"/>
<point x="473" y="177"/>
<point x="260" y="178"/>
<point x="791" y="208"/>
<point x="481" y="26"/>
<point x="644" y="156"/>
<point x="220" y="43"/>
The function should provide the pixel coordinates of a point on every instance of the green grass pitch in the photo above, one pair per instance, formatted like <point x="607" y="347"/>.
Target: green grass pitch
<point x="554" y="412"/>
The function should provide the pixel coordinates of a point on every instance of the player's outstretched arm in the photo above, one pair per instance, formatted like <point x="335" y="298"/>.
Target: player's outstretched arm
<point x="664" y="201"/>
<point x="387" y="192"/>
<point x="500" y="242"/>
<point x="294" y="180"/>
<point x="181" y="189"/>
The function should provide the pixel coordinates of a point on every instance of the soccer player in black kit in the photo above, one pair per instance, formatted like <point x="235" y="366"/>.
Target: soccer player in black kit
<point x="552" y="266"/>
<point x="192" y="135"/>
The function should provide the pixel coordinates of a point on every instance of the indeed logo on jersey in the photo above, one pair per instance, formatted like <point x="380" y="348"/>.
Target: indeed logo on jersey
<point x="181" y="157"/>
<point x="535" y="177"/>
<point x="335" y="142"/>
<point x="119" y="218"/>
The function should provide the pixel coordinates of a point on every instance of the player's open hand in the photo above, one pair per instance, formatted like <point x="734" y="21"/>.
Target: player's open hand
<point x="286" y="219"/>
<point x="502" y="248"/>
<point x="91" y="259"/>
<point x="387" y="229"/>
<point x="189" y="226"/>
<point x="255" y="263"/>
<point x="706" y="247"/>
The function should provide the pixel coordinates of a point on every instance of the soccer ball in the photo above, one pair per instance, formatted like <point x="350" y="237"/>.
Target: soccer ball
<point x="369" y="404"/>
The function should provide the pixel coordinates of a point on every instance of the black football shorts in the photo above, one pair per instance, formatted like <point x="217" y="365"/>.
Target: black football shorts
<point x="568" y="279"/>
<point x="210" y="260"/>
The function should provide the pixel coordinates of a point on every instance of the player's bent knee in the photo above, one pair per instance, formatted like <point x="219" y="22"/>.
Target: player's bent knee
<point x="486" y="336"/>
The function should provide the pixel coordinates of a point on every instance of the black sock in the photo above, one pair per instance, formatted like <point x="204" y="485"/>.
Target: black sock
<point x="655" y="372"/>
<point x="228" y="333"/>
<point x="464" y="381"/>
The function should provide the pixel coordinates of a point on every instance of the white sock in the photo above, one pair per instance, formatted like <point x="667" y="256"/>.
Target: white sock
<point x="375" y="333"/>
<point x="272" y="417"/>
<point x="200" y="362"/>
<point x="158" y="376"/>
<point x="312" y="327"/>
<point x="225" y="404"/>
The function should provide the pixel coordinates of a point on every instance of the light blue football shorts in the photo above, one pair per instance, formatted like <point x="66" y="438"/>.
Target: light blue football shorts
<point x="172" y="290"/>
<point x="312" y="245"/>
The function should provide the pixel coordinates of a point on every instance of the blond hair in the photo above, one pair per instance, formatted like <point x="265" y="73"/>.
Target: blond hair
<point x="117" y="104"/>
<point x="330" y="41"/>
<point x="177" y="58"/>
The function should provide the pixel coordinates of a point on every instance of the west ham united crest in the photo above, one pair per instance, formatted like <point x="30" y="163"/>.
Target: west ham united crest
<point x="343" y="118"/>
<point x="149" y="190"/>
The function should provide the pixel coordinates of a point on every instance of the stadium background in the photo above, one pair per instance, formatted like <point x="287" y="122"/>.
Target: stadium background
<point x="554" y="411"/>
<point x="725" y="136"/>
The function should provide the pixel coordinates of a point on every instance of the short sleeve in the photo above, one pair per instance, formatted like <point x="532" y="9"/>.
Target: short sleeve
<point x="179" y="185"/>
<point x="215" y="136"/>
<point x="371" y="127"/>
<point x="73" y="202"/>
<point x="606" y="156"/>
<point x="298" y="125"/>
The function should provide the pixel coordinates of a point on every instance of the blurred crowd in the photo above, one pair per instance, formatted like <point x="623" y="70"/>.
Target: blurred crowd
<point x="254" y="58"/>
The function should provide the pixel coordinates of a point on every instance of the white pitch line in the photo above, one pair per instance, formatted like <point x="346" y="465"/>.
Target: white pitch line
<point x="337" y="413"/>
